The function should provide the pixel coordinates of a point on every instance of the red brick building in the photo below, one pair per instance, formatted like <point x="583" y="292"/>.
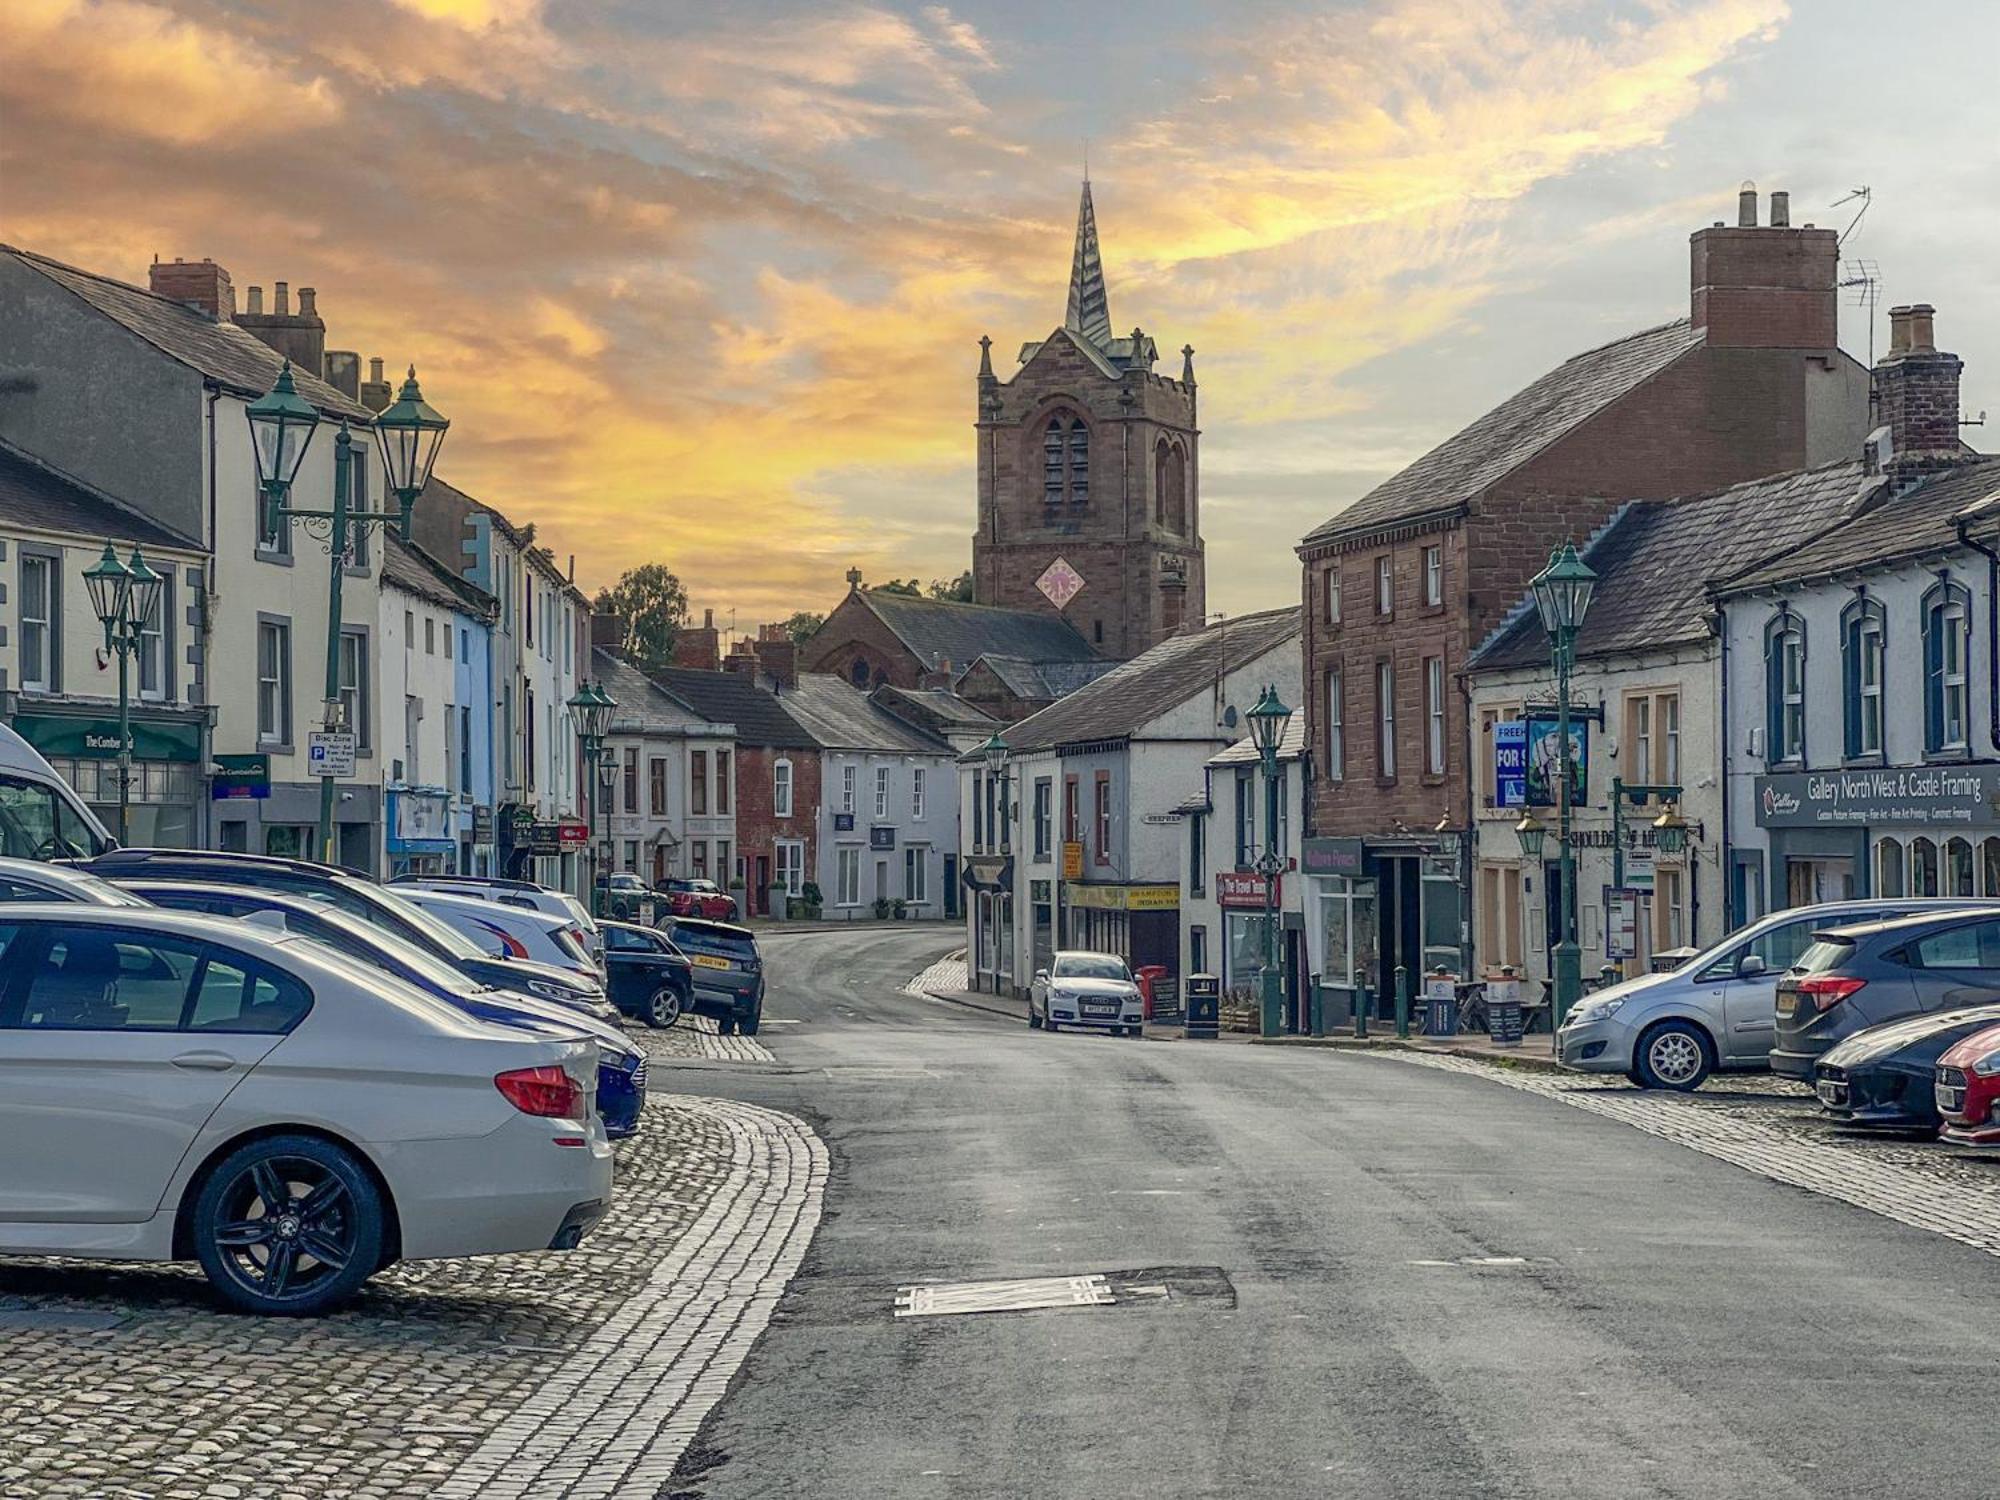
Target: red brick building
<point x="1404" y="584"/>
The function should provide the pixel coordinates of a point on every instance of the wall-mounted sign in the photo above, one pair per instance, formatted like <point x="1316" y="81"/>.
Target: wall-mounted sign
<point x="241" y="776"/>
<point x="1124" y="897"/>
<point x="1920" y="796"/>
<point x="1510" y="763"/>
<point x="1241" y="888"/>
<point x="1331" y="856"/>
<point x="58" y="737"/>
<point x="482" y="824"/>
<point x="419" y="822"/>
<point x="1544" y="750"/>
<point x="882" y="838"/>
<point x="843" y="822"/>
<point x="1072" y="861"/>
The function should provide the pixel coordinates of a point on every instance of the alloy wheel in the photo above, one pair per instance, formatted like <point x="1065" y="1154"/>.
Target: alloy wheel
<point x="1676" y="1058"/>
<point x="664" y="1007"/>
<point x="286" y="1227"/>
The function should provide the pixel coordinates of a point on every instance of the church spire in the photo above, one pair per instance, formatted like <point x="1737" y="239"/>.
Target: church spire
<point x="1089" y="311"/>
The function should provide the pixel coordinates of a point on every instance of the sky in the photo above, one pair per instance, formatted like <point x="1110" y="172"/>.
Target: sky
<point x="703" y="284"/>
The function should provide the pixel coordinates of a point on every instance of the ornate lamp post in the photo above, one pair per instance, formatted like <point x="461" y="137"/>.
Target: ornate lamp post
<point x="1562" y="593"/>
<point x="126" y="598"/>
<point x="409" y="433"/>
<point x="995" y="752"/>
<point x="592" y="708"/>
<point x="1268" y="720"/>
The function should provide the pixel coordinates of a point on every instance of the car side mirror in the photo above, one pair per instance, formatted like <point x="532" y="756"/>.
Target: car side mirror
<point x="1041" y="974"/>
<point x="1750" y="965"/>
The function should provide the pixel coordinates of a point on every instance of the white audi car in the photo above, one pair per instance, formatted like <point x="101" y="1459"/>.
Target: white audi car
<point x="178" y="1087"/>
<point x="1086" y="989"/>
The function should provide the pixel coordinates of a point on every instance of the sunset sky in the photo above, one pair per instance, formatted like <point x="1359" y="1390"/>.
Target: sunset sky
<point x="703" y="283"/>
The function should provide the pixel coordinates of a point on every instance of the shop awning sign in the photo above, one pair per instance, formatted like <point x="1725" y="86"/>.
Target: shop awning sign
<point x="1906" y="796"/>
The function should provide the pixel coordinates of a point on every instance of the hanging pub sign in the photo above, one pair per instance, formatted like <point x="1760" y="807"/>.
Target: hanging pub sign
<point x="1543" y="754"/>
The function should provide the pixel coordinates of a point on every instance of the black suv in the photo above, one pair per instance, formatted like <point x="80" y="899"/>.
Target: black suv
<point x="647" y="975"/>
<point x="728" y="971"/>
<point x="1855" y="977"/>
<point x="361" y="897"/>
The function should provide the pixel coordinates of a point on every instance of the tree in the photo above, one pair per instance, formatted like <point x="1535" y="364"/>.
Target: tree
<point x="803" y="626"/>
<point x="957" y="590"/>
<point x="900" y="586"/>
<point x="654" y="606"/>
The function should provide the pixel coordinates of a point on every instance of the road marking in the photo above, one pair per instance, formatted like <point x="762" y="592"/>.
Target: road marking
<point x="943" y="1299"/>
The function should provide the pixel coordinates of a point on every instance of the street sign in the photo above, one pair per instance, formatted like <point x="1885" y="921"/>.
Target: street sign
<point x="1621" y="922"/>
<point x="330" y="752"/>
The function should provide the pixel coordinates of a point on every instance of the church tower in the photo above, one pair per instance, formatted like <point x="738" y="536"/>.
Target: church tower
<point x="1089" y="506"/>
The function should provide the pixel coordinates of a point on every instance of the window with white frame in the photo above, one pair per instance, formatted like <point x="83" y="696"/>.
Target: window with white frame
<point x="1863" y="629"/>
<point x="1385" y="584"/>
<point x="1044" y="817"/>
<point x="1434" y="575"/>
<point x="1434" y="715"/>
<point x="917" y="793"/>
<point x="847" y="774"/>
<point x="274" y="682"/>
<point x="40" y="619"/>
<point x="791" y="854"/>
<point x="1336" y="728"/>
<point x="1947" y="614"/>
<point x="354" y="685"/>
<point x="781" y="789"/>
<point x="916" y="874"/>
<point x="156" y="683"/>
<point x="1670" y="739"/>
<point x="847" y="875"/>
<point x="1331" y="585"/>
<point x="1385" y="720"/>
<point x="881" y="793"/>
<point x="1785" y="688"/>
<point x="1639" y="737"/>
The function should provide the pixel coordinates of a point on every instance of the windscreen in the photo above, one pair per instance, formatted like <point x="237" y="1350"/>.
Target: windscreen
<point x="1091" y="966"/>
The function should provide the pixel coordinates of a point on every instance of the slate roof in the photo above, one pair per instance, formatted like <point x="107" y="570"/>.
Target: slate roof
<point x="34" y="495"/>
<point x="645" y="707"/>
<point x="1656" y="560"/>
<point x="733" y="698"/>
<point x="941" y="630"/>
<point x="840" y="717"/>
<point x="1893" y="530"/>
<point x="233" y="357"/>
<point x="1519" y="428"/>
<point x="415" y="571"/>
<point x="1042" y="679"/>
<point x="947" y="708"/>
<point x="1121" y="702"/>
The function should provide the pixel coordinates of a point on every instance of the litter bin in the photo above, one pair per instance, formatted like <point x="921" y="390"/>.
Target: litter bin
<point x="1146" y="976"/>
<point x="1504" y="1018"/>
<point x="1441" y="1003"/>
<point x="1204" y="1007"/>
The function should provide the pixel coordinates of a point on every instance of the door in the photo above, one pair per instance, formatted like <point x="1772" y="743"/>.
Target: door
<point x="1746" y="1000"/>
<point x="114" y="1051"/>
<point x="1957" y="967"/>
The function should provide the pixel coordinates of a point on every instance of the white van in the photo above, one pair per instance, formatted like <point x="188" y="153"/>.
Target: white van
<point x="40" y="816"/>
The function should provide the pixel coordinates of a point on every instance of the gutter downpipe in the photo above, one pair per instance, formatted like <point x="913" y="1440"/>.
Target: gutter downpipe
<point x="1731" y="918"/>
<point x="1962" y="527"/>
<point x="208" y="839"/>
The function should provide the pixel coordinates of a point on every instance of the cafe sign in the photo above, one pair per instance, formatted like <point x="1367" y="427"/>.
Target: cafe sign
<point x="1920" y="796"/>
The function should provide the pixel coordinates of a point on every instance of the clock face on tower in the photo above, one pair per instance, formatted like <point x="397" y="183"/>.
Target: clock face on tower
<point x="1060" y="583"/>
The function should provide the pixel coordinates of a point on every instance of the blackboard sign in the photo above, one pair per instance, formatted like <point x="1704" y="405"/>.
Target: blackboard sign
<point x="1166" y="998"/>
<point x="1504" y="1022"/>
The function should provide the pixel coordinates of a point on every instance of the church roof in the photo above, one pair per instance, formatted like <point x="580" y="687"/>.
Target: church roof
<point x="1033" y="680"/>
<point x="1089" y="311"/>
<point x="1515" y="431"/>
<point x="941" y="632"/>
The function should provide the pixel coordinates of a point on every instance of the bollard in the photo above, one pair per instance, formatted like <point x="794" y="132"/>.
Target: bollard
<point x="1402" y="1002"/>
<point x="1360" y="1011"/>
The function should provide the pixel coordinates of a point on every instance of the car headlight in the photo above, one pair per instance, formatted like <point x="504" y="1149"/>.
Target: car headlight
<point x="1988" y="1065"/>
<point x="557" y="992"/>
<point x="1596" y="1010"/>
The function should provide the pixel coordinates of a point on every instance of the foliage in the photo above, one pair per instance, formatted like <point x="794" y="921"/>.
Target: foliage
<point x="803" y="626"/>
<point x="958" y="590"/>
<point x="654" y="606"/>
<point x="900" y="586"/>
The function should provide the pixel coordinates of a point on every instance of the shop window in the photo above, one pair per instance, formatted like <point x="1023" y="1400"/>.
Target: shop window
<point x="1923" y="868"/>
<point x="1890" y="876"/>
<point x="1989" y="867"/>
<point x="1958" y="867"/>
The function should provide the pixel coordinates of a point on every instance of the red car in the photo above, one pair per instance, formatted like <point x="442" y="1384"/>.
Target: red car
<point x="1968" y="1090"/>
<point x="700" y="898"/>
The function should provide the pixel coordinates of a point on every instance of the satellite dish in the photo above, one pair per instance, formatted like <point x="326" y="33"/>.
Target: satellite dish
<point x="1229" y="717"/>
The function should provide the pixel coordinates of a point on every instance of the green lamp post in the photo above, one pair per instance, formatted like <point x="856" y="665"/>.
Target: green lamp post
<point x="125" y="596"/>
<point x="409" y="434"/>
<point x="1562" y="593"/>
<point x="1268" y="720"/>
<point x="592" y="708"/>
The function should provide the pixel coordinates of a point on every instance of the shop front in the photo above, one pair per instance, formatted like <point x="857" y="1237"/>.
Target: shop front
<point x="166" y="794"/>
<point x="1246" y="918"/>
<point x="1380" y="905"/>
<point x="1139" y="923"/>
<point x="1342" y="928"/>
<point x="420" y="835"/>
<point x="1893" y="831"/>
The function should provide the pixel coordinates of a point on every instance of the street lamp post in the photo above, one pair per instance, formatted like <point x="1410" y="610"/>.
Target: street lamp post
<point x="126" y="598"/>
<point x="1268" y="720"/>
<point x="995" y="753"/>
<point x="1562" y="593"/>
<point x="592" y="707"/>
<point x="409" y="433"/>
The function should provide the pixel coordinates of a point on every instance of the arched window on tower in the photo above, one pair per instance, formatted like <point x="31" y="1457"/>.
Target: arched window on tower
<point x="1170" y="488"/>
<point x="1065" y="461"/>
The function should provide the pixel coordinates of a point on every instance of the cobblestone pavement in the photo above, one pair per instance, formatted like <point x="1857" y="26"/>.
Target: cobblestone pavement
<point x="696" y="1037"/>
<point x="125" y="1382"/>
<point x="948" y="974"/>
<point x="1772" y="1127"/>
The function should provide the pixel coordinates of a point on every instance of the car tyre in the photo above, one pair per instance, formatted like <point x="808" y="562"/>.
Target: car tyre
<point x="1034" y="1021"/>
<point x="325" y="1211"/>
<point x="725" y="1025"/>
<point x="663" y="1007"/>
<point x="1674" y="1055"/>
<point x="1049" y="1024"/>
<point x="749" y="1024"/>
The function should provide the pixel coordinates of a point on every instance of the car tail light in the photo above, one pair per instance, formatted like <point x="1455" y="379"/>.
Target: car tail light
<point x="1827" y="990"/>
<point x="546" y="1091"/>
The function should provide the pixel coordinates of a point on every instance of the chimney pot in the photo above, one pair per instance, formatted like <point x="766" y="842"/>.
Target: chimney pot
<point x="1781" y="210"/>
<point x="281" y="298"/>
<point x="1899" y="331"/>
<point x="375" y="370"/>
<point x="708" y="619"/>
<point x="306" y="296"/>
<point x="256" y="308"/>
<point x="1746" y="206"/>
<point x="1923" y="333"/>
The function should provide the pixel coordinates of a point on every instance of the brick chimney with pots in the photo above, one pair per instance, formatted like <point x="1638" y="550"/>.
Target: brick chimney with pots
<point x="1765" y="286"/>
<point x="778" y="656"/>
<point x="200" y="284"/>
<point x="607" y="632"/>
<point x="742" y="658"/>
<point x="1916" y="393"/>
<point x="300" y="336"/>
<point x="698" y="647"/>
<point x="375" y="392"/>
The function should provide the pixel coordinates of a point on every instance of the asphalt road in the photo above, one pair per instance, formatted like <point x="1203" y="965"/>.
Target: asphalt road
<point x="1652" y="1322"/>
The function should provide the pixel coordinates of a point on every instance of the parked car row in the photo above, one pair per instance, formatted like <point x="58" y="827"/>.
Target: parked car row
<point x="624" y="895"/>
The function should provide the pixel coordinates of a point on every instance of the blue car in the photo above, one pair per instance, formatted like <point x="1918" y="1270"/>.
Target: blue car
<point x="621" y="1070"/>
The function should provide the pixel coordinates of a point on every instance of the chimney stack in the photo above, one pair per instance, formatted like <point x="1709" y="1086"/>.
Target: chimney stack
<point x="256" y="299"/>
<point x="699" y="647"/>
<point x="607" y="632"/>
<point x="1768" y="287"/>
<point x="281" y="298"/>
<point x="300" y="336"/>
<point x="1916" y="394"/>
<point x="777" y="657"/>
<point x="200" y="284"/>
<point x="374" y="392"/>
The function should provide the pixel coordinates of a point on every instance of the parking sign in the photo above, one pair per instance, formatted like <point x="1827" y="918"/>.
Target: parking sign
<point x="330" y="752"/>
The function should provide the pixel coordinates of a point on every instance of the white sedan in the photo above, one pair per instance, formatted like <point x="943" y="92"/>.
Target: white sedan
<point x="179" y="1087"/>
<point x="1085" y="989"/>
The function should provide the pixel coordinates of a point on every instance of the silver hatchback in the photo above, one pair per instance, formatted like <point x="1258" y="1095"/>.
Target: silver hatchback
<point x="1717" y="1011"/>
